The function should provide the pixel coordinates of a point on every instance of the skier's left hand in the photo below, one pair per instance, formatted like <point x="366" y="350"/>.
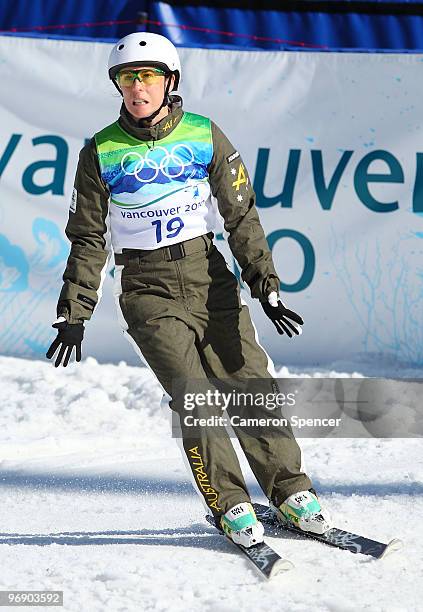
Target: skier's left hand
<point x="281" y="316"/>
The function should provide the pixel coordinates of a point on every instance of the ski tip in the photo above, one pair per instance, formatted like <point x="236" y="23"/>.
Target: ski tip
<point x="281" y="567"/>
<point x="393" y="546"/>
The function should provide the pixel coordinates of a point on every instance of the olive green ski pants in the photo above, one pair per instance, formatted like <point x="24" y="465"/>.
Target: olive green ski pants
<point x="181" y="305"/>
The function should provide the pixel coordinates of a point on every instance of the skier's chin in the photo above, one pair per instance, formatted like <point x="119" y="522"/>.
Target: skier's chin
<point x="141" y="110"/>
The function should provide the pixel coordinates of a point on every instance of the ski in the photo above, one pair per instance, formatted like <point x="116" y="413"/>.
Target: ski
<point x="339" y="538"/>
<point x="264" y="558"/>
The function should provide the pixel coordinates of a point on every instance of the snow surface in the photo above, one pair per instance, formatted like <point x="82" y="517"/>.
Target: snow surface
<point x="95" y="501"/>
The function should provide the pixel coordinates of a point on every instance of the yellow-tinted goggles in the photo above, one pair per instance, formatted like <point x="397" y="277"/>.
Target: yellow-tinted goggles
<point x="148" y="76"/>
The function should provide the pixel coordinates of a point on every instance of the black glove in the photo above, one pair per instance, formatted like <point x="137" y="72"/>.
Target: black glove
<point x="70" y="335"/>
<point x="280" y="316"/>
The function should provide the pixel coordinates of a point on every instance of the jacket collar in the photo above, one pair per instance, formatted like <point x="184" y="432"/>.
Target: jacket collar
<point x="141" y="130"/>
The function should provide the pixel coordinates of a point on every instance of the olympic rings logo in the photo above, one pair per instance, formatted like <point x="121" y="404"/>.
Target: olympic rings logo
<point x="169" y="159"/>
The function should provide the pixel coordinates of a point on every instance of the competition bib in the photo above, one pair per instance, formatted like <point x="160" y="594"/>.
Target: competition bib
<point x="160" y="192"/>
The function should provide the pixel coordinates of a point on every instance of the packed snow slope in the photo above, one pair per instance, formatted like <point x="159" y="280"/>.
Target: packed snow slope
<point x="96" y="502"/>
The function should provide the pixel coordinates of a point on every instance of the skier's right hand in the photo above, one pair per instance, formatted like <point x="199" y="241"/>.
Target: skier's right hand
<point x="70" y="335"/>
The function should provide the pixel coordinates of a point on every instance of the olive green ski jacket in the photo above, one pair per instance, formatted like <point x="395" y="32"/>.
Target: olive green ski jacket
<point x="88" y="231"/>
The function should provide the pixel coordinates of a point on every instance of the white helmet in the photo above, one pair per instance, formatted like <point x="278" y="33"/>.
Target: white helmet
<point x="145" y="48"/>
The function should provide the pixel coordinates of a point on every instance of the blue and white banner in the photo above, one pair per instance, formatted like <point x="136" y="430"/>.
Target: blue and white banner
<point x="333" y="145"/>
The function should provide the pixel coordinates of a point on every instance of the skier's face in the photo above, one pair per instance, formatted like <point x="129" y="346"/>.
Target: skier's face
<point x="143" y="97"/>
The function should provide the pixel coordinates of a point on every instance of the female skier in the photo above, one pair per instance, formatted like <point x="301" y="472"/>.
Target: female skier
<point x="143" y="189"/>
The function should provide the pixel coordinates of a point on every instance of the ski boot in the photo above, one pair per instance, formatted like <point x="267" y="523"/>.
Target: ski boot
<point x="241" y="525"/>
<point x="304" y="511"/>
